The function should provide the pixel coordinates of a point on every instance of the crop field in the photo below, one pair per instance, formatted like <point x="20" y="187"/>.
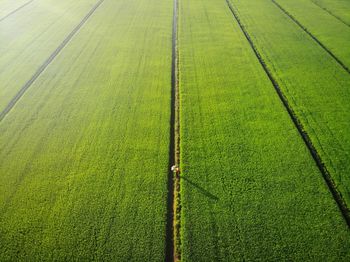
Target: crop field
<point x="339" y="9"/>
<point x="176" y="130"/>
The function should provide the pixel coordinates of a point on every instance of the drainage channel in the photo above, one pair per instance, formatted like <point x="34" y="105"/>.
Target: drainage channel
<point x="173" y="240"/>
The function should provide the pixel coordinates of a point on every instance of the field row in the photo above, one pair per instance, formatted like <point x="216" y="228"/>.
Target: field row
<point x="250" y="187"/>
<point x="84" y="150"/>
<point x="84" y="153"/>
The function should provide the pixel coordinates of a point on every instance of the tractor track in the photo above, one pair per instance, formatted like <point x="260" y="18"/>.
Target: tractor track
<point x="47" y="62"/>
<point x="312" y="36"/>
<point x="329" y="12"/>
<point x="328" y="179"/>
<point x="17" y="9"/>
<point x="172" y="249"/>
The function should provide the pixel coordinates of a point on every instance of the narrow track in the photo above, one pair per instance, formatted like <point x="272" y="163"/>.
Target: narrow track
<point x="47" y="62"/>
<point x="329" y="12"/>
<point x="330" y="183"/>
<point x="173" y="252"/>
<point x="17" y="9"/>
<point x="312" y="36"/>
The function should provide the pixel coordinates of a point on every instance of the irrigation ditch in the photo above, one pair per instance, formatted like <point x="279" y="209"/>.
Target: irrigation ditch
<point x="173" y="239"/>
<point x="315" y="155"/>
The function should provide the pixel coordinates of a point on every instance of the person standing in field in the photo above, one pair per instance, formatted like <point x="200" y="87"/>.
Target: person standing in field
<point x="176" y="170"/>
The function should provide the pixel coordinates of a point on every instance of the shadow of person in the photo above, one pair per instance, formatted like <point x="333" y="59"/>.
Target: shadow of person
<point x="201" y="189"/>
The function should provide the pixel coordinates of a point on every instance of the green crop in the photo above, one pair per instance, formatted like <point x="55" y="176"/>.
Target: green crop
<point x="337" y="8"/>
<point x="250" y="188"/>
<point x="315" y="85"/>
<point x="88" y="125"/>
<point x="84" y="153"/>
<point x="327" y="29"/>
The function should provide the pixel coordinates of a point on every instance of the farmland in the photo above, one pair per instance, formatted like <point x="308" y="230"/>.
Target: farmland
<point x="315" y="85"/>
<point x="248" y="98"/>
<point x="250" y="188"/>
<point x="88" y="175"/>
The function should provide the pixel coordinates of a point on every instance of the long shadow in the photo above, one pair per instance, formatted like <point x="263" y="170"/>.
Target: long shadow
<point x="201" y="189"/>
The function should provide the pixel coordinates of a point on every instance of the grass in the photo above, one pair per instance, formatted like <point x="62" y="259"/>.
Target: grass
<point x="250" y="188"/>
<point x="314" y="84"/>
<point x="332" y="33"/>
<point x="84" y="154"/>
<point x="28" y="37"/>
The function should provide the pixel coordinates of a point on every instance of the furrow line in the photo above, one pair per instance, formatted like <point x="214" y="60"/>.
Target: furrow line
<point x="315" y="155"/>
<point x="17" y="9"/>
<point x="48" y="61"/>
<point x="329" y="12"/>
<point x="312" y="36"/>
<point x="173" y="240"/>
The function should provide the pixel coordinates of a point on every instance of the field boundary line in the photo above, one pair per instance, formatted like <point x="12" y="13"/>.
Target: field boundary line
<point x="315" y="155"/>
<point x="14" y="11"/>
<point x="329" y="12"/>
<point x="47" y="62"/>
<point x="173" y="239"/>
<point x="312" y="36"/>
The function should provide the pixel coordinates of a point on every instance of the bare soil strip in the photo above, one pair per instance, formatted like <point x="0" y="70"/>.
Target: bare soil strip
<point x="328" y="179"/>
<point x="173" y="252"/>
<point x="312" y="36"/>
<point x="48" y="61"/>
<point x="329" y="12"/>
<point x="14" y="11"/>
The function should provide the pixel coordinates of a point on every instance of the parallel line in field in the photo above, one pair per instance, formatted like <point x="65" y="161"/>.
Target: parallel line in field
<point x="315" y="155"/>
<point x="47" y="62"/>
<point x="14" y="11"/>
<point x="312" y="36"/>
<point x="173" y="252"/>
<point x="329" y="12"/>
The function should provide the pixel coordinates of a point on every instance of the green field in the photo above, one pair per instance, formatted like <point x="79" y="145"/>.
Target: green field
<point x="92" y="93"/>
<point x="250" y="189"/>
<point x="86" y="166"/>
<point x="339" y="9"/>
<point x="315" y="85"/>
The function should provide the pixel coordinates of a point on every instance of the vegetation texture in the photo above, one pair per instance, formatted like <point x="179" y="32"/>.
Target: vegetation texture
<point x="99" y="97"/>
<point x="84" y="155"/>
<point x="330" y="31"/>
<point x="337" y="8"/>
<point x="29" y="36"/>
<point x="250" y="188"/>
<point x="315" y="85"/>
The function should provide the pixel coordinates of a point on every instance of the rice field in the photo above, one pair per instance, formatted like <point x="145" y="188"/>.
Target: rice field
<point x="182" y="130"/>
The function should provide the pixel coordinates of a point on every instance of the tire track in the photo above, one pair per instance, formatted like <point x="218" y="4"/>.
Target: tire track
<point x="327" y="177"/>
<point x="172" y="248"/>
<point x="17" y="9"/>
<point x="312" y="36"/>
<point x="329" y="12"/>
<point x="48" y="61"/>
